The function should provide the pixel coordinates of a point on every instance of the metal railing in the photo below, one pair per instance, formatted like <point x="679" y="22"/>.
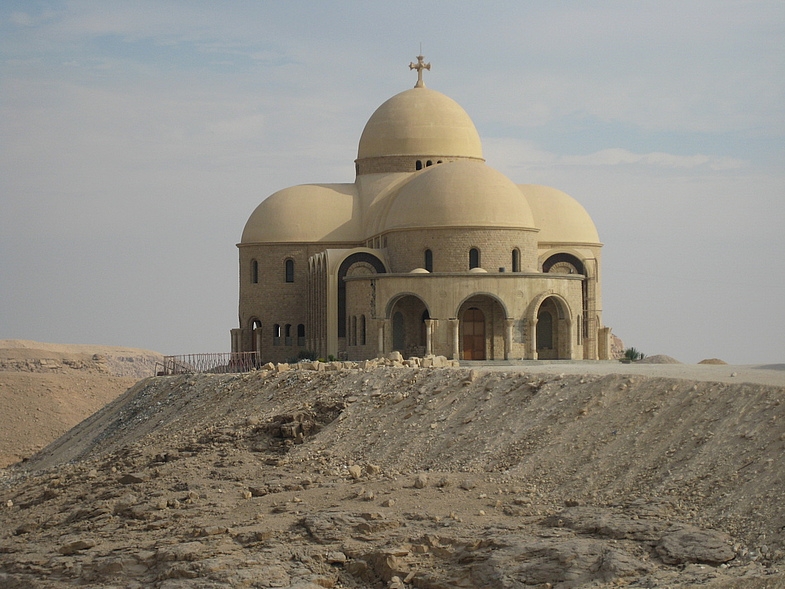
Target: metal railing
<point x="221" y="363"/>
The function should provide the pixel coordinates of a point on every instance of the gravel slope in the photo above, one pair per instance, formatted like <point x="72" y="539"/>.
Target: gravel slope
<point x="527" y="476"/>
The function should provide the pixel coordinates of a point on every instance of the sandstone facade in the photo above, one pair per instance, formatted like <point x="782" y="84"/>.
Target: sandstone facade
<point x="429" y="251"/>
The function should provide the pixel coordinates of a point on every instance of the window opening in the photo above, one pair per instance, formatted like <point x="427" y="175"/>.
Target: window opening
<point x="255" y="272"/>
<point x="418" y="165"/>
<point x="362" y="330"/>
<point x="516" y="260"/>
<point x="276" y="335"/>
<point x="289" y="270"/>
<point x="301" y="335"/>
<point x="474" y="258"/>
<point x="429" y="260"/>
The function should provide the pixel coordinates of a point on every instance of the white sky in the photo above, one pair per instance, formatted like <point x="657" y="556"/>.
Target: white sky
<point x="137" y="137"/>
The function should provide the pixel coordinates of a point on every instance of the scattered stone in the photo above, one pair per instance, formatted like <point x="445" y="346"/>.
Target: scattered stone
<point x="420" y="481"/>
<point x="467" y="485"/>
<point x="75" y="545"/>
<point x="355" y="471"/>
<point x="132" y="478"/>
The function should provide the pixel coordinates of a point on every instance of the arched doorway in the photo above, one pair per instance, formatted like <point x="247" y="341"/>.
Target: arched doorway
<point x="473" y="334"/>
<point x="481" y="328"/>
<point x="408" y="314"/>
<point x="552" y="337"/>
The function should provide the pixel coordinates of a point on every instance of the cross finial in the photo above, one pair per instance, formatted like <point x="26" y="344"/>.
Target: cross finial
<point x="420" y="66"/>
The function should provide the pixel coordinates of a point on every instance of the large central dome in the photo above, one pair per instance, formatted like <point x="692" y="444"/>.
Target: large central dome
<point x="420" y="122"/>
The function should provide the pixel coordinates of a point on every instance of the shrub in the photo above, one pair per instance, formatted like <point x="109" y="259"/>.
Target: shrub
<point x="631" y="354"/>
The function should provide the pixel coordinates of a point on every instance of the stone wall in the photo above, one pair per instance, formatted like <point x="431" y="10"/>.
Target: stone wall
<point x="450" y="247"/>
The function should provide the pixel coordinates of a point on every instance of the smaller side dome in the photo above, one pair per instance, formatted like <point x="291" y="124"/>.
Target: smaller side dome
<point x="462" y="193"/>
<point x="560" y="218"/>
<point x="305" y="213"/>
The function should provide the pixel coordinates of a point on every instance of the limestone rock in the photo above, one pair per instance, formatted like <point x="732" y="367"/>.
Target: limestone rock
<point x="690" y="544"/>
<point x="74" y="545"/>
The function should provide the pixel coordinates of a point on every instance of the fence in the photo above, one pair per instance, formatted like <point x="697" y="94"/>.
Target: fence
<point x="221" y="363"/>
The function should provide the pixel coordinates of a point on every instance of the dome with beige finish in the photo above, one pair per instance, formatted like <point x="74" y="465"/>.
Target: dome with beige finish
<point x="560" y="218"/>
<point x="420" y="122"/>
<point x="462" y="193"/>
<point x="305" y="213"/>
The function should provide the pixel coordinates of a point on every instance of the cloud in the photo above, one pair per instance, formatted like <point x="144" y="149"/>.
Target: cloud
<point x="619" y="156"/>
<point x="512" y="154"/>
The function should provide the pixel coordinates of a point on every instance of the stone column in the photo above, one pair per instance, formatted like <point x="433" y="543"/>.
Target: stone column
<point x="456" y="348"/>
<point x="532" y="338"/>
<point x="257" y="335"/>
<point x="430" y="325"/>
<point x="508" y="325"/>
<point x="380" y="342"/>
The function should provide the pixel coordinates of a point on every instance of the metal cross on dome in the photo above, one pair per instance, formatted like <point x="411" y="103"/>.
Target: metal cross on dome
<point x="420" y="66"/>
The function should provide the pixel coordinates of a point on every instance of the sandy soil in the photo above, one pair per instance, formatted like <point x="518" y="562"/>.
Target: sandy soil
<point x="552" y="475"/>
<point x="46" y="389"/>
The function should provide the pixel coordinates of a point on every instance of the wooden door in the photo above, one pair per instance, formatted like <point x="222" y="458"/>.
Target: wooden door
<point x="473" y="334"/>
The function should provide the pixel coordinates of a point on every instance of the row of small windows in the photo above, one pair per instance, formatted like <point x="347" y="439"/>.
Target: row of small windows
<point x="474" y="262"/>
<point x="285" y="334"/>
<point x="288" y="271"/>
<point x="418" y="164"/>
<point x="474" y="259"/>
<point x="356" y="330"/>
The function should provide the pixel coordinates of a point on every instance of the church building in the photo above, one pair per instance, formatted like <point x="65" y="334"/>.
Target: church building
<point x="428" y="251"/>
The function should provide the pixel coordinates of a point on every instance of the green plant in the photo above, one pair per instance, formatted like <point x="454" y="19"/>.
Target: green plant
<point x="631" y="354"/>
<point x="331" y="358"/>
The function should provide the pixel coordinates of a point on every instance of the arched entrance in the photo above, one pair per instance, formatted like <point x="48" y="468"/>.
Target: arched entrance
<point x="473" y="334"/>
<point x="553" y="331"/>
<point x="481" y="328"/>
<point x="408" y="314"/>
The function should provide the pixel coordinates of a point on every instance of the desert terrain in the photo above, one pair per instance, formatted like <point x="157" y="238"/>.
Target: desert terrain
<point x="382" y="475"/>
<point x="46" y="389"/>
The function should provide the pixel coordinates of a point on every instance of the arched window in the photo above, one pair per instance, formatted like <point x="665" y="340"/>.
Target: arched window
<point x="289" y="270"/>
<point x="429" y="260"/>
<point x="276" y="335"/>
<point x="362" y="330"/>
<point x="516" y="260"/>
<point x="301" y="335"/>
<point x="474" y="258"/>
<point x="428" y="163"/>
<point x="418" y="165"/>
<point x="288" y="334"/>
<point x="254" y="272"/>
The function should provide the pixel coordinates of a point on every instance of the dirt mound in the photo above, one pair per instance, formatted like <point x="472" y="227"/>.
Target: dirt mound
<point x="401" y="477"/>
<point x="659" y="359"/>
<point x="712" y="361"/>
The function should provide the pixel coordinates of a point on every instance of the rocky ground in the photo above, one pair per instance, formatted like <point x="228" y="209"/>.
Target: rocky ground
<point x="561" y="476"/>
<point x="46" y="389"/>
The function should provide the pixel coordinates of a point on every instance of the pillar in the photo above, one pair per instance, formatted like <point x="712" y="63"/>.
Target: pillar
<point x="430" y="325"/>
<point x="508" y="325"/>
<point x="456" y="348"/>
<point x="380" y="341"/>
